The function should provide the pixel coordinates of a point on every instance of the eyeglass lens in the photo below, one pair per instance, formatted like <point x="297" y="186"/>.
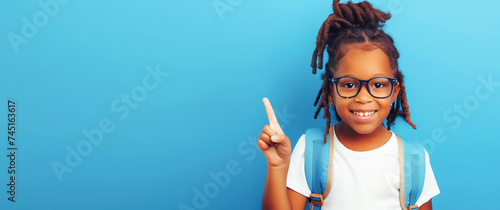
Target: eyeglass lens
<point x="378" y="87"/>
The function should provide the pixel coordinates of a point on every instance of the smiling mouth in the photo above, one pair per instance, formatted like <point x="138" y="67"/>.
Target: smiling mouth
<point x="363" y="114"/>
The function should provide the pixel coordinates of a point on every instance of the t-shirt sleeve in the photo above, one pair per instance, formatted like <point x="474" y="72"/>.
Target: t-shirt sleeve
<point x="431" y="188"/>
<point x="296" y="178"/>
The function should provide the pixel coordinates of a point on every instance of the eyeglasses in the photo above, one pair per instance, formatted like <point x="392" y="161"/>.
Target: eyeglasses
<point x="378" y="87"/>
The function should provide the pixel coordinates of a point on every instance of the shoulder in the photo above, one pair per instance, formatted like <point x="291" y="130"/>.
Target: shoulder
<point x="298" y="151"/>
<point x="431" y="187"/>
<point x="296" y="179"/>
<point x="412" y="147"/>
<point x="301" y="142"/>
<point x="419" y="157"/>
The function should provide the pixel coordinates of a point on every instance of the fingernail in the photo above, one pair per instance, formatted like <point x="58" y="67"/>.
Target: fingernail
<point x="274" y="138"/>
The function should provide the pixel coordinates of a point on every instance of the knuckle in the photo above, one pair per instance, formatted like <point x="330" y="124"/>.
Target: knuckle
<point x="262" y="144"/>
<point x="267" y="129"/>
<point x="263" y="136"/>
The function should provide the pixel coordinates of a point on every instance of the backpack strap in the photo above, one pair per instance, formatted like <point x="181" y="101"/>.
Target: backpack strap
<point x="318" y="165"/>
<point x="411" y="173"/>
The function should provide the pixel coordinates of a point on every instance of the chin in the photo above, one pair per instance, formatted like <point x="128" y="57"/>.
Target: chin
<point x="365" y="129"/>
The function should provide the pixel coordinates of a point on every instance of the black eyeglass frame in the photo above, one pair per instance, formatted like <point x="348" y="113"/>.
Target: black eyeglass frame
<point x="336" y="81"/>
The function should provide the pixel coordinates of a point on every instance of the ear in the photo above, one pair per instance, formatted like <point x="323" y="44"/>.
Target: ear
<point x="331" y="97"/>
<point x="395" y="92"/>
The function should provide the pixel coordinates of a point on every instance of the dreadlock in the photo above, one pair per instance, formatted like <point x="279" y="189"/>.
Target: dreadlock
<point x="355" y="24"/>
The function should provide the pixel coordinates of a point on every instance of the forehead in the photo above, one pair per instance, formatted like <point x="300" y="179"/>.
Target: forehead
<point x="364" y="64"/>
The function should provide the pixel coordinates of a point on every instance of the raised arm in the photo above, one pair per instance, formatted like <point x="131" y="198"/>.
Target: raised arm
<point x="277" y="148"/>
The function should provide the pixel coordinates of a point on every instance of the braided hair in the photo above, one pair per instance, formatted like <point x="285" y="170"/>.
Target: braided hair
<point x="359" y="25"/>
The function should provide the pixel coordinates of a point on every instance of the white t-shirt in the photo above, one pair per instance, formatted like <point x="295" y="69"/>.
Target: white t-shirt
<point x="361" y="180"/>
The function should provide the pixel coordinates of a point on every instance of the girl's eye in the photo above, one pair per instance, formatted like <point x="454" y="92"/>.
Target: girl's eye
<point x="378" y="85"/>
<point x="349" y="85"/>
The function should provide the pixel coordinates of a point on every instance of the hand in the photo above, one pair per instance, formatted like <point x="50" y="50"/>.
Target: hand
<point x="272" y="141"/>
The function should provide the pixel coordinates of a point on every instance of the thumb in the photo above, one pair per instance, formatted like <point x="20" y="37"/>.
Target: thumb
<point x="283" y="145"/>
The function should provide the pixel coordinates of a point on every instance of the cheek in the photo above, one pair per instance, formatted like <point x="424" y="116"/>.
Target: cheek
<point x="341" y="105"/>
<point x="387" y="107"/>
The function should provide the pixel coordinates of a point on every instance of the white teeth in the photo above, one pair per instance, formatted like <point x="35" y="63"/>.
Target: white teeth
<point x="364" y="114"/>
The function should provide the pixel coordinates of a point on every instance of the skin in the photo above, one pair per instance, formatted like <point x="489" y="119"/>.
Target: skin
<point x="355" y="133"/>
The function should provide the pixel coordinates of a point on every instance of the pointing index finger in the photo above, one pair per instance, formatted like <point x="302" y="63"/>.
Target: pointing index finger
<point x="273" y="122"/>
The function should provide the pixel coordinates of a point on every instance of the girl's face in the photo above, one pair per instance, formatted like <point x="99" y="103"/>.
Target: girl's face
<point x="363" y="113"/>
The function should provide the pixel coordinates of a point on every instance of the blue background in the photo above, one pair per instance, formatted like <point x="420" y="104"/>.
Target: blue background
<point x="204" y="117"/>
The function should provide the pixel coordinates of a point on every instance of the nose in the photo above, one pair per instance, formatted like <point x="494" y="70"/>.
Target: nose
<point x="363" y="96"/>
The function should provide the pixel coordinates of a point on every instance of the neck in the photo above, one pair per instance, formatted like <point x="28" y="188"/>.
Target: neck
<point x="361" y="142"/>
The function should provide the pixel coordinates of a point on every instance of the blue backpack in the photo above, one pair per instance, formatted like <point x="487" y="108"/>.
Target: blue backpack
<point x="319" y="164"/>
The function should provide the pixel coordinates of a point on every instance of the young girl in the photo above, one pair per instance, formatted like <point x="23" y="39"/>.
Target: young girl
<point x="364" y="86"/>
